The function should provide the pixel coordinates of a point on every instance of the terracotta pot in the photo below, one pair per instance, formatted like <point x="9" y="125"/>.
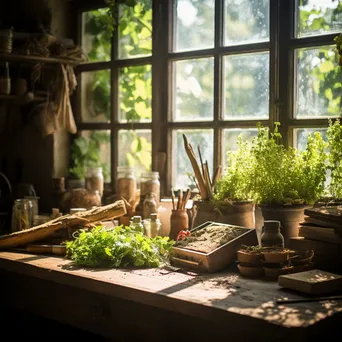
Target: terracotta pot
<point x="276" y="256"/>
<point x="178" y="221"/>
<point x="289" y="216"/>
<point x="251" y="272"/>
<point x="248" y="258"/>
<point x="237" y="213"/>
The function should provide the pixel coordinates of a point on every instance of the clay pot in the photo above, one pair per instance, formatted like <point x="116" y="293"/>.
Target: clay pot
<point x="250" y="272"/>
<point x="236" y="213"/>
<point x="276" y="256"/>
<point x="248" y="257"/>
<point x="290" y="218"/>
<point x="178" y="221"/>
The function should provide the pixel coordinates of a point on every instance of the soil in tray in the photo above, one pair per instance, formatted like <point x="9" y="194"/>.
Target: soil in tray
<point x="209" y="238"/>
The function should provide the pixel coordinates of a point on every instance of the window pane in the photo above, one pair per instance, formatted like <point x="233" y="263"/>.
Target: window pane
<point x="91" y="148"/>
<point x="95" y="96"/>
<point x="246" y="86"/>
<point x="193" y="98"/>
<point x="301" y="136"/>
<point x="318" y="85"/>
<point x="246" y="21"/>
<point x="182" y="171"/>
<point x="135" y="150"/>
<point x="317" y="17"/>
<point x="194" y="25"/>
<point x="230" y="137"/>
<point x="135" y="93"/>
<point x="96" y="37"/>
<point x="135" y="30"/>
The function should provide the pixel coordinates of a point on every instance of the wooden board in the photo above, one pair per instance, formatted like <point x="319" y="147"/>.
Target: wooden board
<point x="313" y="232"/>
<point x="328" y="214"/>
<point x="312" y="282"/>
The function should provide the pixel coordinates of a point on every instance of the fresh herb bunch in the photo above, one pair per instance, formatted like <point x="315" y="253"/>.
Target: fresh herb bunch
<point x="235" y="185"/>
<point x="120" y="247"/>
<point x="334" y="135"/>
<point x="286" y="176"/>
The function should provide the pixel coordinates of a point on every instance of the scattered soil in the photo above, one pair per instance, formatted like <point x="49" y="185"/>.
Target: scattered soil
<point x="209" y="238"/>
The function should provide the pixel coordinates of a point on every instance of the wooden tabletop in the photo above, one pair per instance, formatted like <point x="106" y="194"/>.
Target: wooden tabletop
<point x="184" y="292"/>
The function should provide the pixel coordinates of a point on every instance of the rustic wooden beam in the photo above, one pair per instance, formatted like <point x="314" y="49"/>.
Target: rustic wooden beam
<point x="37" y="233"/>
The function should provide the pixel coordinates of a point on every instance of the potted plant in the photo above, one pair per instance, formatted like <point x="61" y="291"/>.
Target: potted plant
<point x="334" y="136"/>
<point x="231" y="200"/>
<point x="285" y="181"/>
<point x="249" y="255"/>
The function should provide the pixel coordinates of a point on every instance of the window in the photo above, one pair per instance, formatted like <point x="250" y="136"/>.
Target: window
<point x="207" y="69"/>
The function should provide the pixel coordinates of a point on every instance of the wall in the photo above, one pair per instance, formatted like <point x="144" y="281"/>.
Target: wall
<point x="25" y="155"/>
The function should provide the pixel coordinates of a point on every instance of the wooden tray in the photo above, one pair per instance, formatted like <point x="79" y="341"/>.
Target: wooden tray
<point x="217" y="259"/>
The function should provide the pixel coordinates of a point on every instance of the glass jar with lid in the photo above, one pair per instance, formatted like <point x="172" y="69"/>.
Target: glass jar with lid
<point x="126" y="185"/>
<point x="94" y="179"/>
<point x="21" y="215"/>
<point x="149" y="183"/>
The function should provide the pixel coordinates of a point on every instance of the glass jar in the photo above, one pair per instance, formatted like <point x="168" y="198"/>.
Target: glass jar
<point x="149" y="182"/>
<point x="137" y="224"/>
<point x="21" y="215"/>
<point x="271" y="236"/>
<point x="126" y="184"/>
<point x="94" y="179"/>
<point x="155" y="225"/>
<point x="150" y="205"/>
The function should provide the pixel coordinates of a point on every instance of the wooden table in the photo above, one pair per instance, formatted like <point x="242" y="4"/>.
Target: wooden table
<point x="161" y="304"/>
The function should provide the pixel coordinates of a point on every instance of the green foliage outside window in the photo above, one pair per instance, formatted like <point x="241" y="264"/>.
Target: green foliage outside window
<point x="86" y="152"/>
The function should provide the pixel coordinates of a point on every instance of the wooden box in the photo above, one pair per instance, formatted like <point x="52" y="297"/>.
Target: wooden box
<point x="216" y="259"/>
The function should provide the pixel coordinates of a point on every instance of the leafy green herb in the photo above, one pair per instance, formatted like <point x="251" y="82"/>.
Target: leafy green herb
<point x="120" y="247"/>
<point x="286" y="176"/>
<point x="334" y="134"/>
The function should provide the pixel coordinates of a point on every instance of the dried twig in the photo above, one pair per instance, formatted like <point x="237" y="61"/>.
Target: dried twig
<point x="197" y="171"/>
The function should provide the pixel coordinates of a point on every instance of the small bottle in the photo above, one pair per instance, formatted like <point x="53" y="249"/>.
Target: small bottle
<point x="137" y="224"/>
<point x="155" y="225"/>
<point x="271" y="236"/>
<point x="150" y="205"/>
<point x="94" y="179"/>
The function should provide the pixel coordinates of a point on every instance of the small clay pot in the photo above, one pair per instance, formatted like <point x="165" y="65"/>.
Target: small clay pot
<point x="250" y="272"/>
<point x="248" y="257"/>
<point x="276" y="256"/>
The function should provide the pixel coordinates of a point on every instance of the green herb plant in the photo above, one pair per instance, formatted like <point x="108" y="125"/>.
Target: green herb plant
<point x="338" y="45"/>
<point x="286" y="176"/>
<point x="119" y="247"/>
<point x="235" y="185"/>
<point x="334" y="135"/>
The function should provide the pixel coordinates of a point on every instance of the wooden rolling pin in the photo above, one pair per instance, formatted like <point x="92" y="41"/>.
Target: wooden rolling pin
<point x="46" y="249"/>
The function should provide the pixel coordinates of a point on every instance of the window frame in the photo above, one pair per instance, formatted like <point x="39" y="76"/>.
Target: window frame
<point x="281" y="47"/>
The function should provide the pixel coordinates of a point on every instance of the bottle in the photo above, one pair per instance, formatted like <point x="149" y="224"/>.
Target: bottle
<point x="21" y="215"/>
<point x="126" y="186"/>
<point x="137" y="224"/>
<point x="271" y="236"/>
<point x="149" y="182"/>
<point x="5" y="81"/>
<point x="94" y="179"/>
<point x="155" y="225"/>
<point x="150" y="205"/>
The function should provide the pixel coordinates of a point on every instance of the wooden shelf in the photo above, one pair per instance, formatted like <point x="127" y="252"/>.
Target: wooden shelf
<point x="20" y="99"/>
<point x="10" y="57"/>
